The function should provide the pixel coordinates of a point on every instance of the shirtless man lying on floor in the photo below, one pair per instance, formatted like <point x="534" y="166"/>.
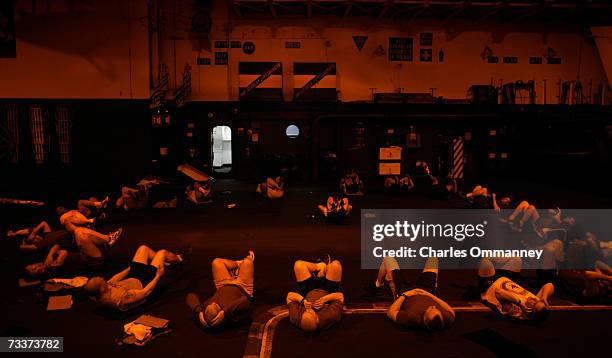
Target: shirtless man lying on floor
<point x="39" y="237"/>
<point x="130" y="287"/>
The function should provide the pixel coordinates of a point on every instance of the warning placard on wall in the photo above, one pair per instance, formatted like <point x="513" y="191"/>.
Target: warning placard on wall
<point x="400" y="48"/>
<point x="390" y="153"/>
<point x="389" y="168"/>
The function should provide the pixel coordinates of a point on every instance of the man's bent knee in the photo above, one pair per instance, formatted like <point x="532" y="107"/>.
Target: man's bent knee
<point x="217" y="262"/>
<point x="142" y="248"/>
<point x="334" y="265"/>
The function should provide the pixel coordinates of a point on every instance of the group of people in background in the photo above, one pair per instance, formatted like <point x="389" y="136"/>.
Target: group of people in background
<point x="317" y="303"/>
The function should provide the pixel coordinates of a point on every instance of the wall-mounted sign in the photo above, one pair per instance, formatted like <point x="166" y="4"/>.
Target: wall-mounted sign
<point x="221" y="44"/>
<point x="260" y="80"/>
<point x="221" y="58"/>
<point x="426" y="55"/>
<point x="202" y="61"/>
<point x="389" y="168"/>
<point x="236" y="44"/>
<point x="493" y="59"/>
<point x="390" y="153"/>
<point x="510" y="59"/>
<point x="314" y="81"/>
<point x="400" y="48"/>
<point x="426" y="39"/>
<point x="248" y="47"/>
<point x="553" y="60"/>
<point x="360" y="41"/>
<point x="535" y="60"/>
<point x="293" y="44"/>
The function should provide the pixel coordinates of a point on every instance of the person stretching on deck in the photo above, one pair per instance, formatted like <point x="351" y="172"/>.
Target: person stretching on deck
<point x="587" y="286"/>
<point x="131" y="287"/>
<point x="233" y="295"/>
<point x="55" y="259"/>
<point x="396" y="184"/>
<point x="442" y="189"/>
<point x="388" y="278"/>
<point x="92" y="206"/>
<point x="91" y="243"/>
<point x="199" y="193"/>
<point x="136" y="198"/>
<point x="272" y="188"/>
<point x="350" y="184"/>
<point x="481" y="198"/>
<point x="335" y="210"/>
<point x="318" y="305"/>
<point x="529" y="214"/>
<point x="72" y="219"/>
<point x="508" y="299"/>
<point x="419" y="306"/>
<point x="39" y="237"/>
<point x="587" y="277"/>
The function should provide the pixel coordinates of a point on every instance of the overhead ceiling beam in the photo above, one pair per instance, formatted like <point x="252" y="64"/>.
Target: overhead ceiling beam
<point x="448" y="8"/>
<point x="536" y="10"/>
<point x="385" y="8"/>
<point x="417" y="13"/>
<point x="236" y="8"/>
<point x="259" y="8"/>
<point x="272" y="8"/>
<point x="349" y="6"/>
<point x="457" y="11"/>
<point x="501" y="5"/>
<point x="403" y="10"/>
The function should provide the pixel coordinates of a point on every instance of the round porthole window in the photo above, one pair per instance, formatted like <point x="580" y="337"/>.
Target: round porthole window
<point x="292" y="131"/>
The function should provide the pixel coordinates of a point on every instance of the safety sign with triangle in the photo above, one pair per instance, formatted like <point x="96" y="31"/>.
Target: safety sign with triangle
<point x="360" y="41"/>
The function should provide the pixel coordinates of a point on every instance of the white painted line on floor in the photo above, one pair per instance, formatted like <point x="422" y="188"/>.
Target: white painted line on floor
<point x="381" y="308"/>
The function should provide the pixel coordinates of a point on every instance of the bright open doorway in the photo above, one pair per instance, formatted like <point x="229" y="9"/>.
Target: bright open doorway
<point x="222" y="149"/>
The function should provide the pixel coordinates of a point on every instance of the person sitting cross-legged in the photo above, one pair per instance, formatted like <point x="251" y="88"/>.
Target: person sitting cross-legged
<point x="318" y="305"/>
<point x="351" y="184"/>
<point x="233" y="295"/>
<point x="419" y="306"/>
